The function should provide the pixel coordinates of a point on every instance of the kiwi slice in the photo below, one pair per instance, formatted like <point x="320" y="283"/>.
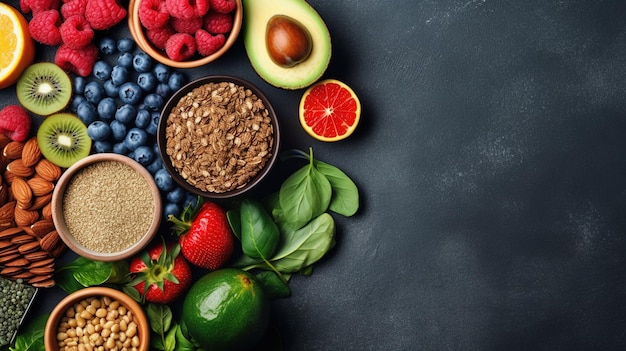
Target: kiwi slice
<point x="44" y="88"/>
<point x="63" y="139"/>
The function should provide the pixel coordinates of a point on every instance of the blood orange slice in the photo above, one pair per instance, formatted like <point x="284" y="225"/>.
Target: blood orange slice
<point x="329" y="110"/>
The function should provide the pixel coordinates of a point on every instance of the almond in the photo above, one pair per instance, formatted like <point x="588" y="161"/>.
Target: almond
<point x="13" y="150"/>
<point x="36" y="257"/>
<point x="18" y="168"/>
<point x="45" y="284"/>
<point x="39" y="279"/>
<point x="9" y="257"/>
<point x="7" y="211"/>
<point x="42" y="262"/>
<point x="40" y="201"/>
<point x="58" y="250"/>
<point x="24" y="218"/>
<point x="50" y="241"/>
<point x="23" y="275"/>
<point x="5" y="244"/>
<point x="18" y="262"/>
<point x="22" y="192"/>
<point x="41" y="270"/>
<point x="13" y="249"/>
<point x="31" y="153"/>
<point x="4" y="140"/>
<point x="29" y="247"/>
<point x="10" y="233"/>
<point x="46" y="211"/>
<point x="10" y="271"/>
<point x="40" y="186"/>
<point x="22" y="239"/>
<point x="8" y="177"/>
<point x="4" y="193"/>
<point x="42" y="227"/>
<point x="48" y="170"/>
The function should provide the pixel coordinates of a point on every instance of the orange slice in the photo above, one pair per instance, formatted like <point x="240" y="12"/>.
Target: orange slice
<point x="17" y="49"/>
<point x="329" y="110"/>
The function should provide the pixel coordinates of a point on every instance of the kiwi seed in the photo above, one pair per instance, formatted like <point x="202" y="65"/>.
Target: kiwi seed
<point x="44" y="88"/>
<point x="63" y="139"/>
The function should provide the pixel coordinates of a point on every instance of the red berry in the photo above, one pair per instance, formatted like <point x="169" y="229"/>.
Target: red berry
<point x="222" y="6"/>
<point x="189" y="26"/>
<point x="187" y="8"/>
<point x="104" y="14"/>
<point x="15" y="122"/>
<point x="180" y="46"/>
<point x="36" y="6"/>
<point x="215" y="22"/>
<point x="73" y="8"/>
<point x="79" y="61"/>
<point x="76" y="32"/>
<point x="208" y="43"/>
<point x="159" y="36"/>
<point x="44" y="27"/>
<point x="153" y="14"/>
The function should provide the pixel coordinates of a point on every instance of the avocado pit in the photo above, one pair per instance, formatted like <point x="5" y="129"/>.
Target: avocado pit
<point x="288" y="42"/>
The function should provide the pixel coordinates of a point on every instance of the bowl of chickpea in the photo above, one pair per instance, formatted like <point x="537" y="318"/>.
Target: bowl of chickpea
<point x="97" y="318"/>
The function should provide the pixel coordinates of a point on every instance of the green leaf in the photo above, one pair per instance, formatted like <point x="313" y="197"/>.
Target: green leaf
<point x="170" y="338"/>
<point x="259" y="233"/>
<point x="93" y="273"/>
<point x="345" y="194"/>
<point x="182" y="343"/>
<point x="66" y="281"/>
<point x="160" y="318"/>
<point x="235" y="222"/>
<point x="273" y="286"/>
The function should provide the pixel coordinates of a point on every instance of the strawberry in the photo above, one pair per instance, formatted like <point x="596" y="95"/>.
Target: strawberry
<point x="160" y="274"/>
<point x="205" y="237"/>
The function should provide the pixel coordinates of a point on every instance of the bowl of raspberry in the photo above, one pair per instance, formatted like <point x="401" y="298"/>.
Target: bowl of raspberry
<point x="182" y="33"/>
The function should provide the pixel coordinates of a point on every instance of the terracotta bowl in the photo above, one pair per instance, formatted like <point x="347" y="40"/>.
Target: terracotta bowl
<point x="162" y="139"/>
<point x="59" y="312"/>
<point x="91" y="232"/>
<point x="138" y="33"/>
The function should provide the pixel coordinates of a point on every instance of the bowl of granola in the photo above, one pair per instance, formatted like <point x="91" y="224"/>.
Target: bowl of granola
<point x="218" y="136"/>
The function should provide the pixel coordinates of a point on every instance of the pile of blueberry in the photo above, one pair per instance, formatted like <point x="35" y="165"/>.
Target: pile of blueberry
<point x="120" y="103"/>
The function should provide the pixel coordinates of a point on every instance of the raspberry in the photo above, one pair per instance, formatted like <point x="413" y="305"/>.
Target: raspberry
<point x="36" y="6"/>
<point x="208" y="43"/>
<point x="15" y="122"/>
<point x="158" y="37"/>
<point x="73" y="7"/>
<point x="153" y="14"/>
<point x="104" y="14"/>
<point x="189" y="26"/>
<point x="180" y="46"/>
<point x="215" y="22"/>
<point x="44" y="27"/>
<point x="79" y="61"/>
<point x="222" y="6"/>
<point x="76" y="32"/>
<point x="186" y="9"/>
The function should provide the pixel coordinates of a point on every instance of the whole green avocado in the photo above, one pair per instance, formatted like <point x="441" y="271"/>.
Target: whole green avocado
<point x="226" y="310"/>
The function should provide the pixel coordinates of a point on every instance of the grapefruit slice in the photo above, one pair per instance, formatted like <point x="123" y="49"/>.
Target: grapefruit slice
<point x="329" y="110"/>
<point x="17" y="49"/>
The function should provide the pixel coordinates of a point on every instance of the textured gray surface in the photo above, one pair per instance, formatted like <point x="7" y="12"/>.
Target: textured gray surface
<point x="489" y="158"/>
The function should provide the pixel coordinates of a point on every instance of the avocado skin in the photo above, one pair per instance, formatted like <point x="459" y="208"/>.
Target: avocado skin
<point x="257" y="14"/>
<point x="226" y="310"/>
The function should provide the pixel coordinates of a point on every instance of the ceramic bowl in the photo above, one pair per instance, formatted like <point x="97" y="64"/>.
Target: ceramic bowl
<point x="139" y="35"/>
<point x="101" y="293"/>
<point x="162" y="139"/>
<point x="106" y="218"/>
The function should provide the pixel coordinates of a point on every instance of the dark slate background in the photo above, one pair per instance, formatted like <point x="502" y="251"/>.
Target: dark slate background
<point x="489" y="159"/>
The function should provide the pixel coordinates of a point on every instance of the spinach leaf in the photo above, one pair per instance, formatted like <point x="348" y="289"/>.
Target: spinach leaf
<point x="170" y="338"/>
<point x="301" y="248"/>
<point x="160" y="317"/>
<point x="259" y="233"/>
<point x="31" y="337"/>
<point x="83" y="272"/>
<point x="182" y="343"/>
<point x="234" y="221"/>
<point x="345" y="196"/>
<point x="273" y="286"/>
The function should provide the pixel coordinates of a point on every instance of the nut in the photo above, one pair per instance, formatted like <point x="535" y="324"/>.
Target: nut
<point x="31" y="153"/>
<point x="40" y="186"/>
<point x="48" y="170"/>
<point x="22" y="239"/>
<point x="22" y="192"/>
<point x="41" y="261"/>
<point x="24" y="218"/>
<point x="18" y="168"/>
<point x="18" y="262"/>
<point x="13" y="150"/>
<point x="42" y="227"/>
<point x="46" y="283"/>
<point x="50" y="241"/>
<point x="9" y="257"/>
<point x="36" y="257"/>
<point x="29" y="247"/>
<point x="40" y="201"/>
<point x="7" y="211"/>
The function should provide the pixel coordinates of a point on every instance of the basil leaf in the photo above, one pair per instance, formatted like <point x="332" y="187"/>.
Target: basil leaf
<point x="345" y="197"/>
<point x="305" y="194"/>
<point x="170" y="339"/>
<point x="273" y="286"/>
<point x="66" y="281"/>
<point x="182" y="343"/>
<point x="93" y="272"/>
<point x="301" y="248"/>
<point x="259" y="233"/>
<point x="160" y="318"/>
<point x="235" y="222"/>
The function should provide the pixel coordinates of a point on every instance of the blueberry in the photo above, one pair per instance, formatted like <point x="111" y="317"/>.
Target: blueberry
<point x="120" y="148"/>
<point x="94" y="92"/>
<point x="142" y="62"/>
<point x="144" y="155"/>
<point x="107" y="46"/>
<point x="98" y="130"/>
<point x="154" y="123"/>
<point x="126" y="113"/>
<point x="110" y="89"/>
<point x="164" y="90"/>
<point x="191" y="200"/>
<point x="119" y="75"/>
<point x="135" y="138"/>
<point x="176" y="80"/>
<point x="79" y="84"/>
<point x="153" y="102"/>
<point x="163" y="180"/>
<point x="161" y="72"/>
<point x="125" y="60"/>
<point x="176" y="195"/>
<point x="143" y="119"/>
<point x="87" y="112"/>
<point x="171" y="209"/>
<point x="102" y="146"/>
<point x="118" y="130"/>
<point x="155" y="165"/>
<point x="76" y="100"/>
<point x="130" y="93"/>
<point x="107" y="108"/>
<point x="102" y="70"/>
<point x="125" y="45"/>
<point x="147" y="81"/>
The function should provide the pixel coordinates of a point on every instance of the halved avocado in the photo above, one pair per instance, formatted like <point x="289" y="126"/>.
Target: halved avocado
<point x="257" y="14"/>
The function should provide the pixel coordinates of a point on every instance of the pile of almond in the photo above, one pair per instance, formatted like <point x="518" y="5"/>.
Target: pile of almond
<point x="29" y="242"/>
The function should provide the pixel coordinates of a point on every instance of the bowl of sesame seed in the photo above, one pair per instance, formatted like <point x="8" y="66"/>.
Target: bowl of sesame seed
<point x="106" y="207"/>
